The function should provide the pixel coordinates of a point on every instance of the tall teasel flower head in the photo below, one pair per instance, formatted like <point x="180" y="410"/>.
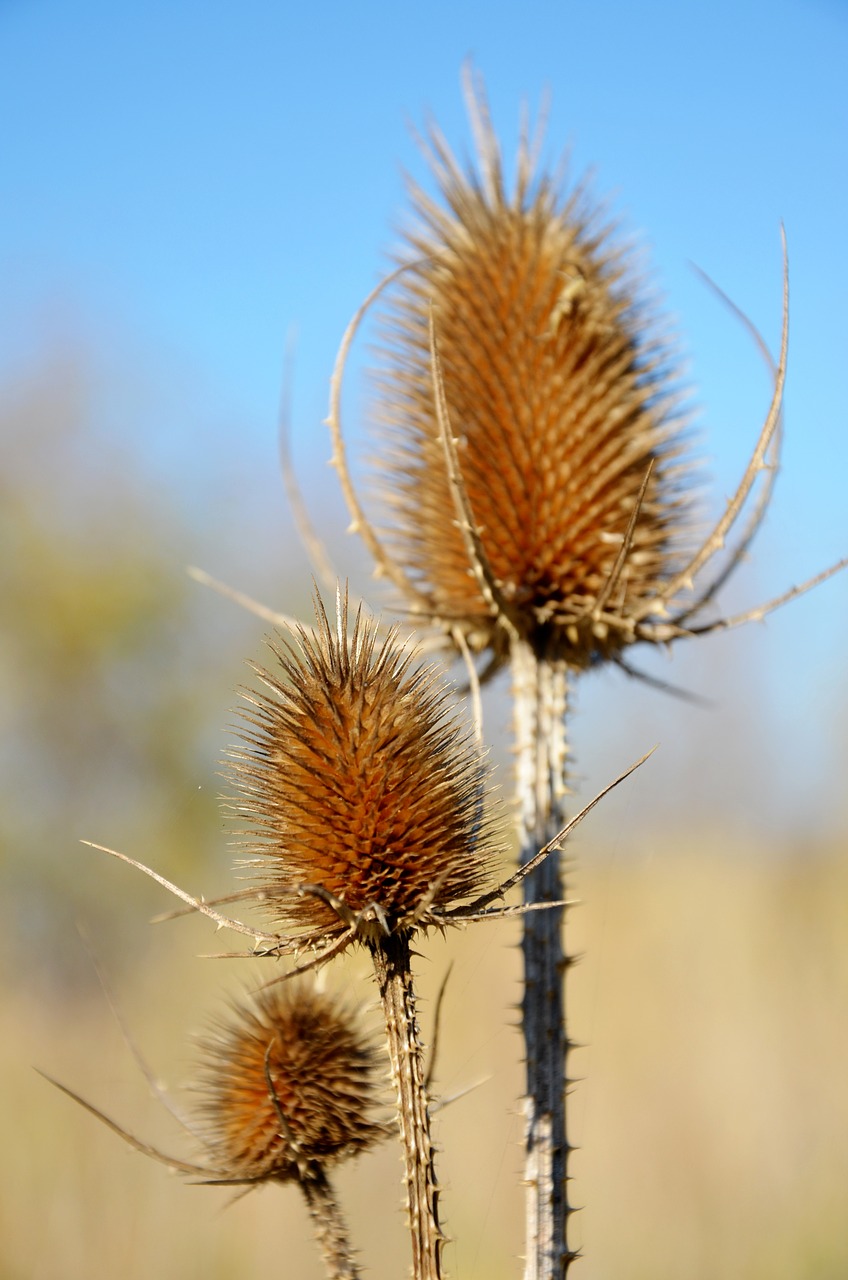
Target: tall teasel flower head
<point x="288" y="1086"/>
<point x="362" y="797"/>
<point x="561" y="393"/>
<point x="532" y="469"/>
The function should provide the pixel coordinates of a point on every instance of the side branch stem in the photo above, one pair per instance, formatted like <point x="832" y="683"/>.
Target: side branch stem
<point x="394" y="977"/>
<point x="329" y="1227"/>
<point x="540" y="693"/>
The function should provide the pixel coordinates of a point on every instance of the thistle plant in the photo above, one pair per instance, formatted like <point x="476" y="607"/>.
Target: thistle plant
<point x="359" y="809"/>
<point x="366" y="822"/>
<point x="286" y="1088"/>
<point x="533" y="489"/>
<point x="361" y="819"/>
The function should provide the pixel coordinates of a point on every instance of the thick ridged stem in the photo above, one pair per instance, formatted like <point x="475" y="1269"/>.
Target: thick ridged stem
<point x="329" y="1226"/>
<point x="540" y="692"/>
<point x="394" y="977"/>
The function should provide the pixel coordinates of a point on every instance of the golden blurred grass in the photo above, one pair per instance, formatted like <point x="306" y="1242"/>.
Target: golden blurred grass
<point x="713" y="1118"/>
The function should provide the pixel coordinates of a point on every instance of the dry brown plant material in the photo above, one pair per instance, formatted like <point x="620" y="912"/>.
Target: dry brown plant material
<point x="287" y="1088"/>
<point x="364" y="807"/>
<point x="361" y="795"/>
<point x="533" y="505"/>
<point x="562" y="407"/>
<point x="287" y="1084"/>
<point x="365" y="821"/>
<point x="360" y="805"/>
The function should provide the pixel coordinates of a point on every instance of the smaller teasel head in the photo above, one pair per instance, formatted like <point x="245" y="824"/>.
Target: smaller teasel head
<point x="288" y="1086"/>
<point x="359" y="798"/>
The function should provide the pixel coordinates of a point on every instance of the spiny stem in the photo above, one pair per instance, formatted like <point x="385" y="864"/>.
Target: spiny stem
<point x="540" y="693"/>
<point x="394" y="976"/>
<point x="329" y="1226"/>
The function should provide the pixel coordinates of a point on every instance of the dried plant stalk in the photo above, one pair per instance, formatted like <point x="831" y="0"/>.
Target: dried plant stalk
<point x="394" y="978"/>
<point x="539" y="691"/>
<point x="329" y="1228"/>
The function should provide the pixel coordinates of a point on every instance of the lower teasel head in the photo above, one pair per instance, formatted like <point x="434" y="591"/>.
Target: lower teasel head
<point x="288" y="1086"/>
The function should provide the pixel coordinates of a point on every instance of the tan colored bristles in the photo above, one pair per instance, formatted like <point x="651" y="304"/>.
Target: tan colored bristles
<point x="359" y="799"/>
<point x="288" y="1088"/>
<point x="532" y="475"/>
<point x="562" y="398"/>
<point x="288" y="1083"/>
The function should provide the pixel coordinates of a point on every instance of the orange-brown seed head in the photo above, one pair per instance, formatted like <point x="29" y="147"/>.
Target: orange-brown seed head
<point x="560" y="392"/>
<point x="288" y="1085"/>
<point x="357" y="781"/>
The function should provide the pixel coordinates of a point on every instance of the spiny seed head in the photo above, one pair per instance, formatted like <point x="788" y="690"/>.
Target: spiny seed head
<point x="357" y="783"/>
<point x="560" y="392"/>
<point x="288" y="1085"/>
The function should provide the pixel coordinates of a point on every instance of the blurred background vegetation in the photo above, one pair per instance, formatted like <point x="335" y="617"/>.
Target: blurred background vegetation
<point x="713" y="1118"/>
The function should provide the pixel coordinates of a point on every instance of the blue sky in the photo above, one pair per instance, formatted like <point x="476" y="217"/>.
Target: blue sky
<point x="183" y="182"/>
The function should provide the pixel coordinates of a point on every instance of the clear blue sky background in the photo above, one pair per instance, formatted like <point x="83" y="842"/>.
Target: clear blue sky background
<point x="181" y="182"/>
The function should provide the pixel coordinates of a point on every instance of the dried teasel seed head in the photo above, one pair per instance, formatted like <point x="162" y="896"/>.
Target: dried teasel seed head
<point x="288" y="1085"/>
<point x="362" y="796"/>
<point x="561" y="393"/>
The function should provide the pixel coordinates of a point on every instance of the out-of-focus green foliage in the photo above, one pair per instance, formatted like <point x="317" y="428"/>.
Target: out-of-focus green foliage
<point x="106" y="717"/>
